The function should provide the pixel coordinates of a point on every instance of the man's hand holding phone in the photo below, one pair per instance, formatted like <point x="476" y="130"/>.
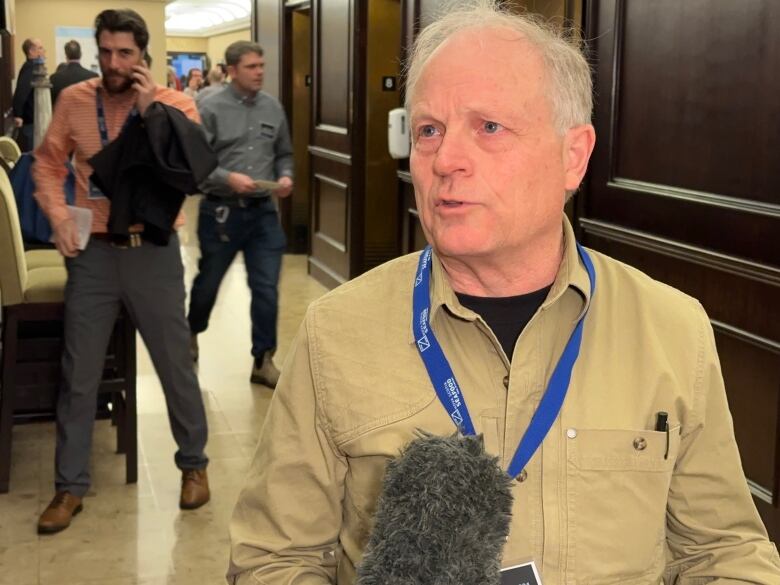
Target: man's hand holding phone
<point x="143" y="84"/>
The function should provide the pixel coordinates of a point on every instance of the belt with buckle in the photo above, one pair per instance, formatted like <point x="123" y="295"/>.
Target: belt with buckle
<point x="237" y="201"/>
<point x="119" y="241"/>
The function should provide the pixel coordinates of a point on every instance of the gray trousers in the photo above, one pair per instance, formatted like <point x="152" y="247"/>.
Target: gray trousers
<point x="149" y="281"/>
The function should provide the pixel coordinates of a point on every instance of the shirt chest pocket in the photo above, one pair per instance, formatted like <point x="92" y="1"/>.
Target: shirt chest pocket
<point x="266" y="130"/>
<point x="617" y="490"/>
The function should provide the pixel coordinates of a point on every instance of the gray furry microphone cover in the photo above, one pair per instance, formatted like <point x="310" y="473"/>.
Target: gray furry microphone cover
<point x="442" y="517"/>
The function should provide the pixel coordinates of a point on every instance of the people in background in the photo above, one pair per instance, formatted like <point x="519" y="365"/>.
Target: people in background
<point x="114" y="270"/>
<point x="248" y="129"/>
<point x="216" y="83"/>
<point x="72" y="73"/>
<point x="173" y="80"/>
<point x="194" y="82"/>
<point x="630" y="472"/>
<point x="24" y="100"/>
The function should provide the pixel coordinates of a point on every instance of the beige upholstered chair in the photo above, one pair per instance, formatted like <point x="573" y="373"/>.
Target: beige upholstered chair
<point x="31" y="292"/>
<point x="20" y="285"/>
<point x="9" y="151"/>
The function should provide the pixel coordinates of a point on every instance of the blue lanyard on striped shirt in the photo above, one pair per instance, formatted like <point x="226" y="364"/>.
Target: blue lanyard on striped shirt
<point x="101" y="118"/>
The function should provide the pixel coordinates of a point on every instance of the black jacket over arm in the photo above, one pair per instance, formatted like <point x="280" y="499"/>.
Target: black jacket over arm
<point x="149" y="168"/>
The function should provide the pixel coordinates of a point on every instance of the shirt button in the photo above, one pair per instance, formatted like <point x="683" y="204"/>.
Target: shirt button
<point x="249" y="167"/>
<point x="522" y="476"/>
<point x="251" y="128"/>
<point x="640" y="444"/>
<point x="251" y="147"/>
<point x="506" y="382"/>
<point x="571" y="433"/>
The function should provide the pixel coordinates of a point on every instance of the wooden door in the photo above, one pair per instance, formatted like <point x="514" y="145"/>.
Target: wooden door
<point x="296" y="97"/>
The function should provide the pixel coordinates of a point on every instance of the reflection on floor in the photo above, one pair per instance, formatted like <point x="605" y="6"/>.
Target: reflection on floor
<point x="135" y="534"/>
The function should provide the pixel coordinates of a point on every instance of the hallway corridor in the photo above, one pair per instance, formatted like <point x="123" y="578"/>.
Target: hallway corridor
<point x="136" y="534"/>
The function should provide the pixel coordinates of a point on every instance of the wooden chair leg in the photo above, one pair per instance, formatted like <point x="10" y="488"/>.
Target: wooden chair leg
<point x="119" y="414"/>
<point x="114" y="415"/>
<point x="131" y="406"/>
<point x="131" y="433"/>
<point x="7" y="396"/>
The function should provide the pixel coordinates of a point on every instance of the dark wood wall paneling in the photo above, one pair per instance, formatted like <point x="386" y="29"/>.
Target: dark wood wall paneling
<point x="330" y="182"/>
<point x="683" y="185"/>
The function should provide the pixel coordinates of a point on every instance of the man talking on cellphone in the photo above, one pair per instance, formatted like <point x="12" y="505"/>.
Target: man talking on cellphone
<point x="111" y="271"/>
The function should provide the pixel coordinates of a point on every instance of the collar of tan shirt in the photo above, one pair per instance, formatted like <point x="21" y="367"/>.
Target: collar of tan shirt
<point x="572" y="278"/>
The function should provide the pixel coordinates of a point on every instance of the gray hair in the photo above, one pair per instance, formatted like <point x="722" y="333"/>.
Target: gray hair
<point x="569" y="81"/>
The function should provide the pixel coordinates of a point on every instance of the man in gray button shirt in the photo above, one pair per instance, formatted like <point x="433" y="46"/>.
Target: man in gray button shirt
<point x="248" y="130"/>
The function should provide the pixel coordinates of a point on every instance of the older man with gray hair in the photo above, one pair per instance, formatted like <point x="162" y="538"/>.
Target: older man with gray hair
<point x="24" y="96"/>
<point x="597" y="388"/>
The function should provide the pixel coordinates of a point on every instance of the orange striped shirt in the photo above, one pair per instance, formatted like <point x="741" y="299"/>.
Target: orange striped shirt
<point x="74" y="128"/>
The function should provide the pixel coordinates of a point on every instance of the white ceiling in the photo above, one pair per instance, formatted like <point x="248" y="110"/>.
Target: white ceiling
<point x="205" y="18"/>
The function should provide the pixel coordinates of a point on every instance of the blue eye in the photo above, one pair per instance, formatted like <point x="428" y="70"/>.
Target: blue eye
<point x="428" y="131"/>
<point x="492" y="127"/>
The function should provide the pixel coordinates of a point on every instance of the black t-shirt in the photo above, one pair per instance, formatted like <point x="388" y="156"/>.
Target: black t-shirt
<point x="506" y="316"/>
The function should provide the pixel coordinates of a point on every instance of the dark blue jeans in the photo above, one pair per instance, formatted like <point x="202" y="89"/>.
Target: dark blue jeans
<point x="256" y="232"/>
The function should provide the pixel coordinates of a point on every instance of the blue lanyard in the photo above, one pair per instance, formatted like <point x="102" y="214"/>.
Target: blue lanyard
<point x="447" y="389"/>
<point x="101" y="119"/>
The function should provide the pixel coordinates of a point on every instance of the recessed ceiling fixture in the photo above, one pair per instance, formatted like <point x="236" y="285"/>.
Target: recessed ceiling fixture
<point x="206" y="17"/>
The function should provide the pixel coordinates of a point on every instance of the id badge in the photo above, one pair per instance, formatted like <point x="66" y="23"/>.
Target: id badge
<point x="267" y="130"/>
<point x="525" y="574"/>
<point x="94" y="192"/>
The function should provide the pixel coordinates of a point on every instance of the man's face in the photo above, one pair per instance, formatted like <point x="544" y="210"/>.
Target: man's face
<point x="37" y="50"/>
<point x="118" y="53"/>
<point x="489" y="169"/>
<point x="247" y="74"/>
<point x="196" y="78"/>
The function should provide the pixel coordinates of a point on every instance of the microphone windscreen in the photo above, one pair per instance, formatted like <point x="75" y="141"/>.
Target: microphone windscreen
<point x="442" y="517"/>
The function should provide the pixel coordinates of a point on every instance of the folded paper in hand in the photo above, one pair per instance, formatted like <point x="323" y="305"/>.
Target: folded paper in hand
<point x="82" y="216"/>
<point x="267" y="185"/>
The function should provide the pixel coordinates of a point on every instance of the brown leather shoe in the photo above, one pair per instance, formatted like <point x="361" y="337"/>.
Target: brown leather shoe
<point x="58" y="514"/>
<point x="194" y="489"/>
<point x="264" y="371"/>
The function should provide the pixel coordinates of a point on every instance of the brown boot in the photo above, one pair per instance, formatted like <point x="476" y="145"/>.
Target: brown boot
<point x="57" y="516"/>
<point x="264" y="371"/>
<point x="194" y="489"/>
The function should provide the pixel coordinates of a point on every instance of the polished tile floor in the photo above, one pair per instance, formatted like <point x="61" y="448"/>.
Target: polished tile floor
<point x="136" y="534"/>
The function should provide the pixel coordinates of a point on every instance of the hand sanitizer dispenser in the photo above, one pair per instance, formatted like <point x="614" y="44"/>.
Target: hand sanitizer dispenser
<point x="398" y="140"/>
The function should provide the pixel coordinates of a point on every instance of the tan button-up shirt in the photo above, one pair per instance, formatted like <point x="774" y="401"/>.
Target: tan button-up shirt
<point x="593" y="510"/>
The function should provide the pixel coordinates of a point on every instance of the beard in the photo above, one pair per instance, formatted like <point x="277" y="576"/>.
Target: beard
<point x="116" y="82"/>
